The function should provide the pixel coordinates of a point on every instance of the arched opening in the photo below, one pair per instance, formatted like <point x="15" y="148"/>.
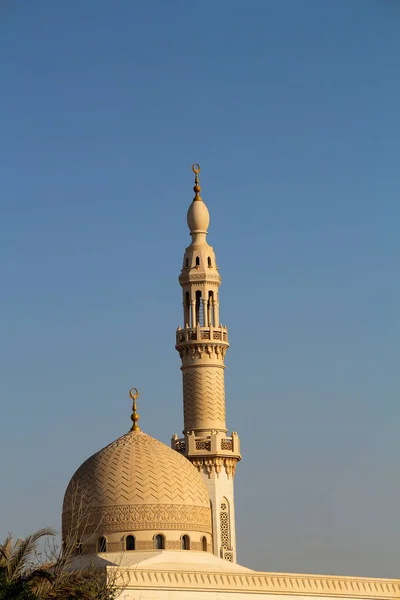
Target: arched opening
<point x="197" y="261"/>
<point x="210" y="309"/>
<point x="199" y="310"/>
<point x="159" y="542"/>
<point x="130" y="542"/>
<point x="187" y="263"/>
<point x="204" y="543"/>
<point x="209" y="262"/>
<point x="102" y="544"/>
<point x="187" y="309"/>
<point x="185" y="542"/>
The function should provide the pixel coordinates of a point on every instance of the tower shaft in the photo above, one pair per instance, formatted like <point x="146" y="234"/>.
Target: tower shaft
<point x="202" y="344"/>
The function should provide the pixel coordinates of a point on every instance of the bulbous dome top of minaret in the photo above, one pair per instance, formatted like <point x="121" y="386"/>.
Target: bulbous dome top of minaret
<point x="198" y="217"/>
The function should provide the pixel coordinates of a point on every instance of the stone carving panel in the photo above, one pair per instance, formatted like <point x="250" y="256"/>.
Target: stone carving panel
<point x="141" y="517"/>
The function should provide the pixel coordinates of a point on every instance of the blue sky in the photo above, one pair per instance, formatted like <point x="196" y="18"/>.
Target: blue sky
<point x="291" y="108"/>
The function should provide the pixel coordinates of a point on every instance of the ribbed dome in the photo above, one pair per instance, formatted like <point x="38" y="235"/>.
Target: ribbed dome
<point x="134" y="484"/>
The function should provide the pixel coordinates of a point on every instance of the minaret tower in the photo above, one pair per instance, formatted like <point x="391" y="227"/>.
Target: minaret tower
<point x="202" y="344"/>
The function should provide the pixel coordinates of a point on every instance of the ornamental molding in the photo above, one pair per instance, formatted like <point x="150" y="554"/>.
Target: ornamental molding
<point x="115" y="547"/>
<point x="213" y="279"/>
<point x="258" y="583"/>
<point x="215" y="464"/>
<point x="146" y="545"/>
<point x="195" y="350"/>
<point x="199" y="281"/>
<point x="145" y="517"/>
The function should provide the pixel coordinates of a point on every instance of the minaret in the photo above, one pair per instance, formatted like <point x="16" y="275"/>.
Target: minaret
<point x="202" y="344"/>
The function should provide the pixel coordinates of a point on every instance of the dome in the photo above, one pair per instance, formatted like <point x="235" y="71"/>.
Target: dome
<point x="136" y="486"/>
<point x="198" y="217"/>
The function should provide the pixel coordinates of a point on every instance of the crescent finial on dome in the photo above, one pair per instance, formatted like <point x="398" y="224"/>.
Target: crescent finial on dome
<point x="134" y="394"/>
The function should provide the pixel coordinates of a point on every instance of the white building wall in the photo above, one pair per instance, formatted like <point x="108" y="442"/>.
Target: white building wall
<point x="213" y="595"/>
<point x="220" y="487"/>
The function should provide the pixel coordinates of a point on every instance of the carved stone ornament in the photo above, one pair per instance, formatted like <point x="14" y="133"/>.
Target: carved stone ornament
<point x="112" y="519"/>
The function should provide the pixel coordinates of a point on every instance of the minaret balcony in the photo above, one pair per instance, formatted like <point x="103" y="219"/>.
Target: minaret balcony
<point x="202" y="334"/>
<point x="215" y="444"/>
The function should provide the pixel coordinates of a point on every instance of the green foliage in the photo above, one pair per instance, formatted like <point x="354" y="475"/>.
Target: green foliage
<point x="24" y="578"/>
<point x="16" y="590"/>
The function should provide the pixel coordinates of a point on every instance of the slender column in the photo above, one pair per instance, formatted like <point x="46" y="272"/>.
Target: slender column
<point x="205" y="312"/>
<point x="193" y="320"/>
<point x="216" y="314"/>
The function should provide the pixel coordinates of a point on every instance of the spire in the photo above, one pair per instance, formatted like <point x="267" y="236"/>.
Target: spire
<point x="197" y="188"/>
<point x="198" y="217"/>
<point x="135" y="417"/>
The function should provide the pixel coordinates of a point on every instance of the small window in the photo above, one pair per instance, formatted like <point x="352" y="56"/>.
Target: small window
<point x="185" y="542"/>
<point x="209" y="261"/>
<point x="204" y="543"/>
<point x="187" y="263"/>
<point x="102" y="544"/>
<point x="130" y="542"/>
<point x="159" y="542"/>
<point x="197" y="261"/>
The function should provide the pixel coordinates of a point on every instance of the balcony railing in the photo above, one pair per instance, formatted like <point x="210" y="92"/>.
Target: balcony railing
<point x="218" y="443"/>
<point x="202" y="334"/>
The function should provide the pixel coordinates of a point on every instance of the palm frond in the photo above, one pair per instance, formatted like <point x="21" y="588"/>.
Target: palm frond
<point x="23" y="550"/>
<point x="38" y="575"/>
<point x="6" y="550"/>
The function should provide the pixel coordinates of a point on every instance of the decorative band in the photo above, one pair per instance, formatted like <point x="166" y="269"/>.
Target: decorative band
<point x="132" y="517"/>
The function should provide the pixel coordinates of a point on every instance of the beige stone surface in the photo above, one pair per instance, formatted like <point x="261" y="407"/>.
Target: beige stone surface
<point x="137" y="484"/>
<point x="228" y="584"/>
<point x="198" y="217"/>
<point x="163" y="560"/>
<point x="204" y="393"/>
<point x="144" y="540"/>
<point x="202" y="343"/>
<point x="195" y="576"/>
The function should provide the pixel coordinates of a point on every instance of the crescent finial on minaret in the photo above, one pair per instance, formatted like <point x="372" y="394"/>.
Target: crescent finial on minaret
<point x="197" y="188"/>
<point x="198" y="218"/>
<point x="134" y="394"/>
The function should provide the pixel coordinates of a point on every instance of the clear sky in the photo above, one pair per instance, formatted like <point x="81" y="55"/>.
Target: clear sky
<point x="292" y="109"/>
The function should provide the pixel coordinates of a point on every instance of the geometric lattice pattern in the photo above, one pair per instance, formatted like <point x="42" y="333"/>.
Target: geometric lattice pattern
<point x="225" y="531"/>
<point x="203" y="398"/>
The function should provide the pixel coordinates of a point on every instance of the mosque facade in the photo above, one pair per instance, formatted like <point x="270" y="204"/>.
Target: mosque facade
<point x="161" y="520"/>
